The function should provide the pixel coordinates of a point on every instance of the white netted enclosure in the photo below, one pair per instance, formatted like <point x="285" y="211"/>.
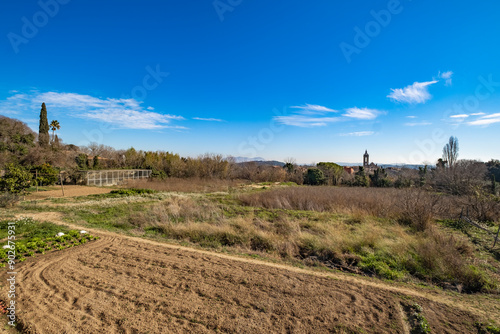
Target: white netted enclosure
<point x="113" y="177"/>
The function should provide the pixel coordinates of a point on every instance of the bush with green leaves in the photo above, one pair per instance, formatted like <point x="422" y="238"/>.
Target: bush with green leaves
<point x="46" y="174"/>
<point x="16" y="179"/>
<point x="314" y="177"/>
<point x="132" y="191"/>
<point x="82" y="161"/>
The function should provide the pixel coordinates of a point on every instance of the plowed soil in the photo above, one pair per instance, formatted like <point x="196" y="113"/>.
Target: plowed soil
<point x="128" y="285"/>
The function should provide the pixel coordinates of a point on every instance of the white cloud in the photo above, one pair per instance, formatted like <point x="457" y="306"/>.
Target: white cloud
<point x="305" y="121"/>
<point x="150" y="108"/>
<point x="121" y="113"/>
<point x="416" y="93"/>
<point x="313" y="109"/>
<point x="424" y="123"/>
<point x="411" y="116"/>
<point x="447" y="77"/>
<point x="478" y="114"/>
<point x="359" y="133"/>
<point x="314" y="116"/>
<point x="486" y="120"/>
<point x="459" y="116"/>
<point x="208" y="119"/>
<point x="362" y="113"/>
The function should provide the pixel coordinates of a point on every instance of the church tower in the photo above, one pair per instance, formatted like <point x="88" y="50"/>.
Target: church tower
<point x="366" y="159"/>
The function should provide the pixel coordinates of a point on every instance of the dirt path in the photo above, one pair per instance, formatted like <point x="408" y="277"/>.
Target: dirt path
<point x="122" y="284"/>
<point x="69" y="191"/>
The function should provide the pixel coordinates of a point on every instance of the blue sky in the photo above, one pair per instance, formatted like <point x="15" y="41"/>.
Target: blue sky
<point x="316" y="81"/>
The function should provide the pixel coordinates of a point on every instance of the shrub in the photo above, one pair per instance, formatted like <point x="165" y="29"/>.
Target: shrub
<point x="158" y="174"/>
<point x="8" y="199"/>
<point x="260" y="242"/>
<point x="16" y="179"/>
<point x="314" y="177"/>
<point x="82" y="161"/>
<point x="132" y="191"/>
<point x="417" y="208"/>
<point x="47" y="175"/>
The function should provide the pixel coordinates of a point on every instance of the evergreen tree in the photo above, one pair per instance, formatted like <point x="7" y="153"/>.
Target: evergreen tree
<point x="361" y="179"/>
<point x="43" y="130"/>
<point x="82" y="161"/>
<point x="422" y="173"/>
<point x="96" y="164"/>
<point x="314" y="177"/>
<point x="380" y="179"/>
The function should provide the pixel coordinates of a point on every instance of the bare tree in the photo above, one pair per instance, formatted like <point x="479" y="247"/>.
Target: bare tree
<point x="450" y="152"/>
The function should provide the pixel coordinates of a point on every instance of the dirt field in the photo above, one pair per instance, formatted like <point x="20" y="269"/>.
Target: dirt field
<point x="127" y="285"/>
<point x="69" y="191"/>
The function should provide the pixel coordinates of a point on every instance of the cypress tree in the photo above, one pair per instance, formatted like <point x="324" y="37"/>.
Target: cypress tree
<point x="43" y="130"/>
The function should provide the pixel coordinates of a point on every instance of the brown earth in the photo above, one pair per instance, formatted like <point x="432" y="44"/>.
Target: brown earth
<point x="69" y="191"/>
<point x="122" y="284"/>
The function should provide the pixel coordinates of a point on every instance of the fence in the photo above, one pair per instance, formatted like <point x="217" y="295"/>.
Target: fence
<point x="114" y="177"/>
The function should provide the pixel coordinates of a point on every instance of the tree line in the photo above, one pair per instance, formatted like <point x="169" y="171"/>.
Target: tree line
<point x="20" y="147"/>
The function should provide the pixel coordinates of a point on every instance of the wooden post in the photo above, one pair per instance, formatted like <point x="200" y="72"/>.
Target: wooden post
<point x="36" y="180"/>
<point x="62" y="186"/>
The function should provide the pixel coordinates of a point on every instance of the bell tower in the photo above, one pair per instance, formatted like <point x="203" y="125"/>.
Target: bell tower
<point x="366" y="159"/>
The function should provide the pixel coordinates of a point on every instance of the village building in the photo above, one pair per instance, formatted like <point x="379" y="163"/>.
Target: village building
<point x="368" y="167"/>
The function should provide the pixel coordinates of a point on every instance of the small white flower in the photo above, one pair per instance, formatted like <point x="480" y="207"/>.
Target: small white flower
<point x="60" y="234"/>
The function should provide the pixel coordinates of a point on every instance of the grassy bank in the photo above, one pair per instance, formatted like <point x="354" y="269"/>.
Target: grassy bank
<point x="387" y="233"/>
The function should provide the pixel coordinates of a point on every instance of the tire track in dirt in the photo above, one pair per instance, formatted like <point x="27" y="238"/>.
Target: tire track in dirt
<point x="122" y="284"/>
<point x="56" y="217"/>
<point x="55" y="293"/>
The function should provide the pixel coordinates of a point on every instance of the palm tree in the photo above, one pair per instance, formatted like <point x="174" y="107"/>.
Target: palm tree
<point x="54" y="125"/>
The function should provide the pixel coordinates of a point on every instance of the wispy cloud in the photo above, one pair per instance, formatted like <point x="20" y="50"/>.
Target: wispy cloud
<point x="486" y="120"/>
<point x="478" y="114"/>
<point x="358" y="134"/>
<point x="121" y="113"/>
<point x="208" y="119"/>
<point x="314" y="116"/>
<point x="313" y="109"/>
<point x="424" y="123"/>
<point x="305" y="121"/>
<point x="446" y="76"/>
<point x="362" y="113"/>
<point x="418" y="92"/>
<point x="459" y="116"/>
<point x="411" y="117"/>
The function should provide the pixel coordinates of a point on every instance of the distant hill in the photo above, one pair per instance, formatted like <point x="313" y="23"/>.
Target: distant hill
<point x="245" y="159"/>
<point x="262" y="163"/>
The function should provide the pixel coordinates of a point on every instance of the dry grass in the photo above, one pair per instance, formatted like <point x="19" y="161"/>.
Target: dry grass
<point x="357" y="228"/>
<point x="188" y="185"/>
<point x="412" y="206"/>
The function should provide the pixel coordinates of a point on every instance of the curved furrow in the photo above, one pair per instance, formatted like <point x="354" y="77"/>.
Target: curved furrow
<point x="50" y="298"/>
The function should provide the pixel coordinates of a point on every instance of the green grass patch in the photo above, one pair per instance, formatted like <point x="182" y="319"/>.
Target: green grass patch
<point x="30" y="238"/>
<point x="133" y="191"/>
<point x="117" y="217"/>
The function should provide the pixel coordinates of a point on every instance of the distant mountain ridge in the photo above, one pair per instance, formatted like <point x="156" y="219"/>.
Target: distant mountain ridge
<point x="245" y="159"/>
